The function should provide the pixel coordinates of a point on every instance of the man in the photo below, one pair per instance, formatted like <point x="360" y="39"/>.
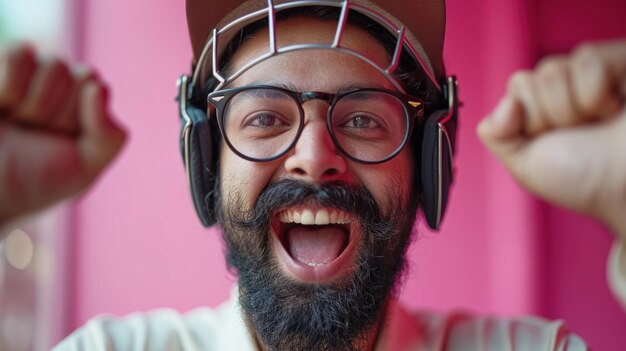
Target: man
<point x="318" y="233"/>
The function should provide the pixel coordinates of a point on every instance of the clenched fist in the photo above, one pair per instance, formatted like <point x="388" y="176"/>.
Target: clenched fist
<point x="561" y="131"/>
<point x="56" y="132"/>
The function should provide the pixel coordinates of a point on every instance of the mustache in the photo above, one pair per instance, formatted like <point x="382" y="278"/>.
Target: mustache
<point x="285" y="193"/>
<point x="291" y="315"/>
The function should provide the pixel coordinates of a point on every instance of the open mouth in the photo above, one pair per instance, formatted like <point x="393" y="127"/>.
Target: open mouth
<point x="314" y="243"/>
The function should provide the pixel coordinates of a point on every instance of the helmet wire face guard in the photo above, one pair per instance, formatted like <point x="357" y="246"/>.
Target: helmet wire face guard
<point x="201" y="134"/>
<point x="213" y="47"/>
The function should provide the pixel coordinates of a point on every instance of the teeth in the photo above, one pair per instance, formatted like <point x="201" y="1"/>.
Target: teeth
<point x="343" y="218"/>
<point x="308" y="217"/>
<point x="321" y="217"/>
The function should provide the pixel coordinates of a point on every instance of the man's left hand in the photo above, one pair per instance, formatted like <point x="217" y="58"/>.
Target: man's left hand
<point x="561" y="131"/>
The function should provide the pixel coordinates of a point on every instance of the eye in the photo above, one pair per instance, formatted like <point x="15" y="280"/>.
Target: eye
<point x="264" y="120"/>
<point x="361" y="121"/>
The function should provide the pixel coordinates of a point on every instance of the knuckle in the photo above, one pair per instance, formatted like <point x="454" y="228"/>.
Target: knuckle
<point x="519" y="80"/>
<point x="57" y="69"/>
<point x="21" y="52"/>
<point x="552" y="71"/>
<point x="589" y="58"/>
<point x="593" y="75"/>
<point x="587" y="51"/>
<point x="16" y="65"/>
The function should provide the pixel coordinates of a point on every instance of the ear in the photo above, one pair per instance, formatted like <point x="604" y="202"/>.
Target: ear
<point x="198" y="148"/>
<point x="438" y="147"/>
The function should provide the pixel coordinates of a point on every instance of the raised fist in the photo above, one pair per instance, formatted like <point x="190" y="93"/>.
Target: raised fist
<point x="56" y="131"/>
<point x="561" y="131"/>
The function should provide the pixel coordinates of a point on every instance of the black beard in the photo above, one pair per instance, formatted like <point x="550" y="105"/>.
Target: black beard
<point x="291" y="315"/>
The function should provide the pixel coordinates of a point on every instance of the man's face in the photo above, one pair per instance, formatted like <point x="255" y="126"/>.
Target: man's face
<point x="303" y="285"/>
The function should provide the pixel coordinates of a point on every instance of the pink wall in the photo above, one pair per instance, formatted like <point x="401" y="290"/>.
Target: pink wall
<point x="575" y="280"/>
<point x="139" y="246"/>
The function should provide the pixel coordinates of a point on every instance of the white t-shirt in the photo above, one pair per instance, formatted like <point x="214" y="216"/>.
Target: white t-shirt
<point x="223" y="328"/>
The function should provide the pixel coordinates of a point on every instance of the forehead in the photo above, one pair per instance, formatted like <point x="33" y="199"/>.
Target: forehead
<point x="312" y="69"/>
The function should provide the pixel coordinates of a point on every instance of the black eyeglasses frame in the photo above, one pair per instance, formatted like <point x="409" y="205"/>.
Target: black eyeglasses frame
<point x="413" y="108"/>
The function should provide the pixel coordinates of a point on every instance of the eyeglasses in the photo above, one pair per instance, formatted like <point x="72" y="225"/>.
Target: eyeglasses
<point x="262" y="123"/>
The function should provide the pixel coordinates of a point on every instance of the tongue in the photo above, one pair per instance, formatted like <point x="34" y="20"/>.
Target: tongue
<point x="315" y="245"/>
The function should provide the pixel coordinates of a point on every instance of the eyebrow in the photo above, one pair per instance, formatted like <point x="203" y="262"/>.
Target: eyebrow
<point x="255" y="93"/>
<point x="252" y="94"/>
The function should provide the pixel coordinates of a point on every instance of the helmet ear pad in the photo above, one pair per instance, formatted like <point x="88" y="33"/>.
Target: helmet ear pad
<point x="202" y="146"/>
<point x="436" y="176"/>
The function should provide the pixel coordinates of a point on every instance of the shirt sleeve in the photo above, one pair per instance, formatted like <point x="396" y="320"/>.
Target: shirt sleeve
<point x="521" y="333"/>
<point x="616" y="271"/>
<point x="161" y="330"/>
<point x="202" y="329"/>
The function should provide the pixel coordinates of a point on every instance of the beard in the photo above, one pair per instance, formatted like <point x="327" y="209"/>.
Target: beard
<point x="290" y="315"/>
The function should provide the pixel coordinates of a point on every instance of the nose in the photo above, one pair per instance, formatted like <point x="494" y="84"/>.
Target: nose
<point x="315" y="158"/>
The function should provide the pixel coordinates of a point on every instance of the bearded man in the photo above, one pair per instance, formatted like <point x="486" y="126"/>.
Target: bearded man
<point x="312" y="132"/>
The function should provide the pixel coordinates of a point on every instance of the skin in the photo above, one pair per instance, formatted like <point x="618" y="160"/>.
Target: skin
<point x="314" y="158"/>
<point x="56" y="131"/>
<point x="562" y="127"/>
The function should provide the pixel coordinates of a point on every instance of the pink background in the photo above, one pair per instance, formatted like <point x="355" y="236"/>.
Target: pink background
<point x="138" y="245"/>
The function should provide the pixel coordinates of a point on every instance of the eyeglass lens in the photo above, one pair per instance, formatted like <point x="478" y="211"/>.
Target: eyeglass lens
<point x="262" y="123"/>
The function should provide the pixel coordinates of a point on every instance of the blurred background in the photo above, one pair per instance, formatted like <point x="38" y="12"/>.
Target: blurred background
<point x="133" y="241"/>
<point x="35" y="270"/>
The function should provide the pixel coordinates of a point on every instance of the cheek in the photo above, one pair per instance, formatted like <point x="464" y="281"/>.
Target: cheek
<point x="242" y="179"/>
<point x="390" y="178"/>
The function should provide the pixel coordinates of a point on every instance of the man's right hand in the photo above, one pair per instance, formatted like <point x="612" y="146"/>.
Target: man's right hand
<point x="56" y="132"/>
